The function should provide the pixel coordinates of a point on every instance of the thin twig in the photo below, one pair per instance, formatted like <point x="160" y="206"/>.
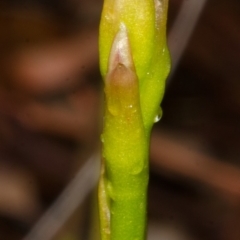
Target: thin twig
<point x="72" y="197"/>
<point x="182" y="29"/>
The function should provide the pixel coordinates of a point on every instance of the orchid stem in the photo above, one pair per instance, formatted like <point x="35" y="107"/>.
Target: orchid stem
<point x="134" y="62"/>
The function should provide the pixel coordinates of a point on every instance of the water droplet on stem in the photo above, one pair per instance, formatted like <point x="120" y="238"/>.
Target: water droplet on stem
<point x="158" y="116"/>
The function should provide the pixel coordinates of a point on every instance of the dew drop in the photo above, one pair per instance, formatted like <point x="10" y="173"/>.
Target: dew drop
<point x="158" y="116"/>
<point x="113" y="110"/>
<point x="102" y="138"/>
<point x="110" y="190"/>
<point x="137" y="170"/>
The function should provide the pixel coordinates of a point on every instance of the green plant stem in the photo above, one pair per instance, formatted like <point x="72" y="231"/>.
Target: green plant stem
<point x="134" y="63"/>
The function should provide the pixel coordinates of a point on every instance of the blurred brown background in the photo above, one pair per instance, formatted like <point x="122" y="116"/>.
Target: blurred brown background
<point x="50" y="120"/>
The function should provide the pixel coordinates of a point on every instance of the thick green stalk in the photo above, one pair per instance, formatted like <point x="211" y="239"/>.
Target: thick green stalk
<point x="134" y="63"/>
